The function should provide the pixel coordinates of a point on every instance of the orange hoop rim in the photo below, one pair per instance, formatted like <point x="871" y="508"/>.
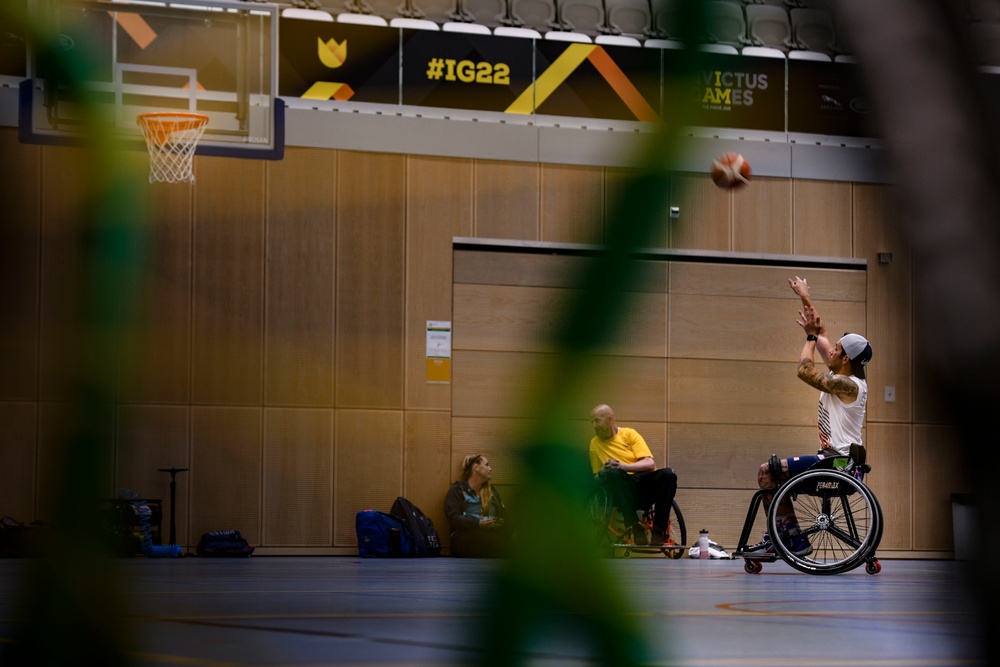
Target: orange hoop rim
<point x="161" y="124"/>
<point x="154" y="116"/>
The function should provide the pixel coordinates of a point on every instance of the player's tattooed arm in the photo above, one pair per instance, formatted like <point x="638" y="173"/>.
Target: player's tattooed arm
<point x="828" y="382"/>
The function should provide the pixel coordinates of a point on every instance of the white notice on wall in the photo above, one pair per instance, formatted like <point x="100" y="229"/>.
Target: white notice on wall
<point x="438" y="352"/>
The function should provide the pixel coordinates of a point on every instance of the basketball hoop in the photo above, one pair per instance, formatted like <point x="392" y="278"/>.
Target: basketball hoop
<point x="171" y="137"/>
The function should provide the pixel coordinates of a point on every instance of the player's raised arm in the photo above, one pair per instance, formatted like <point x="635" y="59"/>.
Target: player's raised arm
<point x="823" y="344"/>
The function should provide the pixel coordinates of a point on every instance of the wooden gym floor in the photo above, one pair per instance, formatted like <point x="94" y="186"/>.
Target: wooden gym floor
<point x="339" y="611"/>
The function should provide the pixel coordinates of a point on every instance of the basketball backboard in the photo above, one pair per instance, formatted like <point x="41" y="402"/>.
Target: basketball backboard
<point x="215" y="57"/>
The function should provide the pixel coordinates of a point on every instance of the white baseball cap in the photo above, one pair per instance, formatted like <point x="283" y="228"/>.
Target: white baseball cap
<point x="858" y="349"/>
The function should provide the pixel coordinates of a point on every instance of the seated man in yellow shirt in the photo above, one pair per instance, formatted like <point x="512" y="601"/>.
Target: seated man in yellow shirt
<point x="621" y="460"/>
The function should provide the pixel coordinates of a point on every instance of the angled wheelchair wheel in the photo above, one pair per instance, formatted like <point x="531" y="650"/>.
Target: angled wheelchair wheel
<point x="678" y="531"/>
<point x="838" y="515"/>
<point x="601" y="513"/>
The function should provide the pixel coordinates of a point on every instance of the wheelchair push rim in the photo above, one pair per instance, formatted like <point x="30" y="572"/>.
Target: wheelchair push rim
<point x="838" y="515"/>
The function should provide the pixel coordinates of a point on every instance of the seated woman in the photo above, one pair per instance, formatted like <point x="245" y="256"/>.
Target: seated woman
<point x="475" y="512"/>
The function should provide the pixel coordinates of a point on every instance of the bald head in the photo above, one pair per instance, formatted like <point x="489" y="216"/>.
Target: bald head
<point x="602" y="418"/>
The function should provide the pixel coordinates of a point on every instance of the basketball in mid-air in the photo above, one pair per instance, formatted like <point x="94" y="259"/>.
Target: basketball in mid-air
<point x="730" y="171"/>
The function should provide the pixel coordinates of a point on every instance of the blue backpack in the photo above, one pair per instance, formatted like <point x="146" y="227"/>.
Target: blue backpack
<point x="382" y="535"/>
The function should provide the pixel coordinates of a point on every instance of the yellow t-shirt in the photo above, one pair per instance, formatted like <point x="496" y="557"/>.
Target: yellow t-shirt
<point x="626" y="446"/>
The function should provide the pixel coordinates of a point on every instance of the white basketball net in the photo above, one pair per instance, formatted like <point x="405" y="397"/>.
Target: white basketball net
<point x="171" y="139"/>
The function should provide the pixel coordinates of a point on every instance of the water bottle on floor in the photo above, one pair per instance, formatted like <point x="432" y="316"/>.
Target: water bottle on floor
<point x="703" y="545"/>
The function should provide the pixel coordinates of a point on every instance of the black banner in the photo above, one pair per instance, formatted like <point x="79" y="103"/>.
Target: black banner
<point x="597" y="81"/>
<point x="463" y="71"/>
<point x="338" y="61"/>
<point x="13" y="45"/>
<point x="722" y="90"/>
<point x="826" y="98"/>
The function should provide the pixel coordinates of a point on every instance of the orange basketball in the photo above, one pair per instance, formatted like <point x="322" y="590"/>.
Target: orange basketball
<point x="730" y="171"/>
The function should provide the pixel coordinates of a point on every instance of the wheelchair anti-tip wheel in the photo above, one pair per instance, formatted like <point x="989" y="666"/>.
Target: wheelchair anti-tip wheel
<point x="838" y="515"/>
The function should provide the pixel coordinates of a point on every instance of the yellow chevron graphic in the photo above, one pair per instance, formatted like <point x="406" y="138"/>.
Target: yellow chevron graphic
<point x="328" y="90"/>
<point x="552" y="78"/>
<point x="567" y="62"/>
<point x="332" y="54"/>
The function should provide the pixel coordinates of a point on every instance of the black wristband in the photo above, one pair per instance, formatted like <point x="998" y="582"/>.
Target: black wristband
<point x="810" y="337"/>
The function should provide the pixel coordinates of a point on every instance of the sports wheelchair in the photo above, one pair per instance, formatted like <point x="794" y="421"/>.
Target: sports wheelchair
<point x="611" y="533"/>
<point x="836" y="511"/>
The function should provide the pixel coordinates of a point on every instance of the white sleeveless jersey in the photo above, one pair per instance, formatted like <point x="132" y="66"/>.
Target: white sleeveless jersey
<point x="840" y="423"/>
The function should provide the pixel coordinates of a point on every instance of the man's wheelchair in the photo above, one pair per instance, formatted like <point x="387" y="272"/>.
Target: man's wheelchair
<point x="836" y="511"/>
<point x="611" y="533"/>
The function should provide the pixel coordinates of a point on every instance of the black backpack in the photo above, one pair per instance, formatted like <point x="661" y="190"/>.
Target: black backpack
<point x="425" y="540"/>
<point x="224" y="544"/>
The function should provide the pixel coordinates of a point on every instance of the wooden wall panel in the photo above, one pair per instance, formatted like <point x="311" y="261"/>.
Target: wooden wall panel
<point x="427" y="472"/>
<point x="529" y="318"/>
<point x="932" y="504"/>
<point x="363" y="437"/>
<point x="727" y="456"/>
<point x="635" y="387"/>
<point x="821" y="219"/>
<point x="617" y="182"/>
<point x="506" y="200"/>
<point x="493" y="384"/>
<point x="228" y="304"/>
<point x="20" y="191"/>
<point x="155" y="355"/>
<point x="825" y="285"/>
<point x="298" y="319"/>
<point x="64" y="271"/>
<point x="371" y="207"/>
<point x="226" y="471"/>
<point x="739" y="392"/>
<point x="225" y="290"/>
<point x="762" y="217"/>
<point x="877" y="227"/>
<point x="57" y="424"/>
<point x="298" y="477"/>
<point x="706" y="214"/>
<point x="496" y="384"/>
<point x="18" y="448"/>
<point x="545" y="270"/>
<point x="438" y="207"/>
<point x="499" y="438"/>
<point x="712" y="327"/>
<point x="721" y="512"/>
<point x="929" y="407"/>
<point x="150" y="437"/>
<point x="890" y="454"/>
<point x="572" y="203"/>
<point x="482" y="267"/>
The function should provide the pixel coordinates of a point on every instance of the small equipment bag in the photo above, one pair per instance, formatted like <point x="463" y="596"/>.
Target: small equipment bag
<point x="224" y="544"/>
<point x="382" y="535"/>
<point x="425" y="538"/>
